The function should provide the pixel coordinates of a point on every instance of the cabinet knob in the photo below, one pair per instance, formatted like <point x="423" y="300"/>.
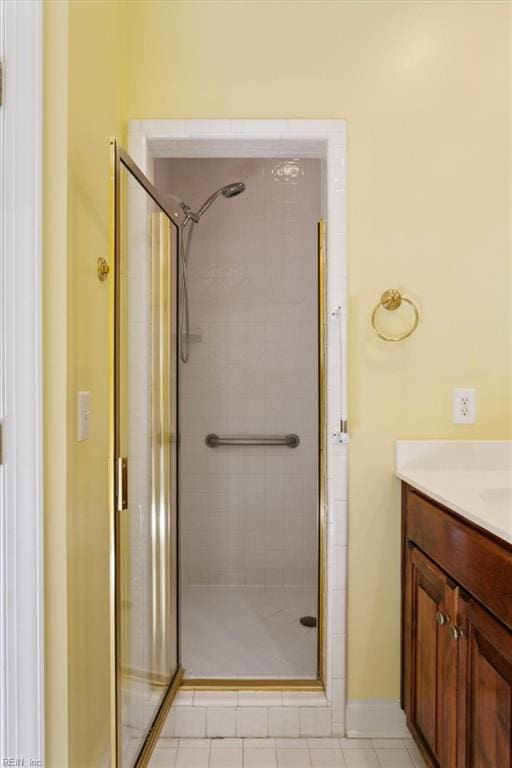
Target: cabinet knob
<point x="455" y="632"/>
<point x="442" y="618"/>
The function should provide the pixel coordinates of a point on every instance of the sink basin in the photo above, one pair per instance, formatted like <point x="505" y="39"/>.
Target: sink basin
<point x="497" y="497"/>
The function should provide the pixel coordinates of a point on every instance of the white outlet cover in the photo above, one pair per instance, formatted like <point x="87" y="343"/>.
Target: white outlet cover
<point x="464" y="405"/>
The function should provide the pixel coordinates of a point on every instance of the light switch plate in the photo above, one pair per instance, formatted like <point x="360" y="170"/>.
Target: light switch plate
<point x="84" y="415"/>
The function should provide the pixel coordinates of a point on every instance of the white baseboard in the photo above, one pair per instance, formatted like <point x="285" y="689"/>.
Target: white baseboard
<point x="375" y="718"/>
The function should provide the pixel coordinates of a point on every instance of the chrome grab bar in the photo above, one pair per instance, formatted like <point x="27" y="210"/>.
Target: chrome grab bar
<point x="291" y="441"/>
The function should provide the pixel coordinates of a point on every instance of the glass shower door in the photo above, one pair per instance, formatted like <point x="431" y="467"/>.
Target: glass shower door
<point x="145" y="450"/>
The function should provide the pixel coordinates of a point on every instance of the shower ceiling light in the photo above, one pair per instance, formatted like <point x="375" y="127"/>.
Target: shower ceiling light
<point x="288" y="171"/>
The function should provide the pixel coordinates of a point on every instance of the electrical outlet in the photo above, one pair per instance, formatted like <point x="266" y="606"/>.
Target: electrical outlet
<point x="464" y="406"/>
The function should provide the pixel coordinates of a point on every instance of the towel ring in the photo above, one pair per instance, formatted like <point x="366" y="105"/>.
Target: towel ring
<point x="391" y="300"/>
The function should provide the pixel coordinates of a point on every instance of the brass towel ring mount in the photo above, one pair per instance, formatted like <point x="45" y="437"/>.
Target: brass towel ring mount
<point x="392" y="300"/>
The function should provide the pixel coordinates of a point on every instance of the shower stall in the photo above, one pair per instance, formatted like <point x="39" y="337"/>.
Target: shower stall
<point x="248" y="501"/>
<point x="218" y="395"/>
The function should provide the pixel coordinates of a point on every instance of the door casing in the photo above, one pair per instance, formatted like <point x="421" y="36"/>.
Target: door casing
<point x="22" y="721"/>
<point x="325" y="139"/>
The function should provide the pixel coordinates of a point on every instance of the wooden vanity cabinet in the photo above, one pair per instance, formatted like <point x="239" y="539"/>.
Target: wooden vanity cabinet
<point x="485" y="690"/>
<point x="430" y="659"/>
<point x="456" y="650"/>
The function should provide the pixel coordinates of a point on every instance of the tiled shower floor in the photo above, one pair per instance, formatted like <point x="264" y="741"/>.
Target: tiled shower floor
<point x="248" y="632"/>
<point x="286" y="753"/>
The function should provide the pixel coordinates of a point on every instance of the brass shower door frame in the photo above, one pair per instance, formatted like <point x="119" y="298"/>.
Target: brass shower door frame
<point x="318" y="684"/>
<point x="118" y="158"/>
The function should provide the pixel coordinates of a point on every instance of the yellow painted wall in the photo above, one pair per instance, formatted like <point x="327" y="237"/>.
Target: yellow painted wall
<point x="55" y="359"/>
<point x="83" y="105"/>
<point x="425" y="89"/>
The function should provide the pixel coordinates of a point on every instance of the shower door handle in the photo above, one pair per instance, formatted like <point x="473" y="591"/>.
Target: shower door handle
<point x="122" y="484"/>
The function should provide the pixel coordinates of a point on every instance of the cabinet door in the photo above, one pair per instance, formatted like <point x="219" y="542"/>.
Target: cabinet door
<point x="430" y="658"/>
<point x="485" y="698"/>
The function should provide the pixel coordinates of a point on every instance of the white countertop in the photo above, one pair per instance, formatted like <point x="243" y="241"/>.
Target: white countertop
<point x="470" y="477"/>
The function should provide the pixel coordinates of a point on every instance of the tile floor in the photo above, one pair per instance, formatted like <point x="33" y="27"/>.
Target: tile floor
<point x="286" y="753"/>
<point x="248" y="631"/>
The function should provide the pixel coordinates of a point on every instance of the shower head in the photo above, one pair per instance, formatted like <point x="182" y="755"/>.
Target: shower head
<point x="232" y="190"/>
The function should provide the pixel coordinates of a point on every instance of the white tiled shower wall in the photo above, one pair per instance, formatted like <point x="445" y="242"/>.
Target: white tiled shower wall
<point x="249" y="515"/>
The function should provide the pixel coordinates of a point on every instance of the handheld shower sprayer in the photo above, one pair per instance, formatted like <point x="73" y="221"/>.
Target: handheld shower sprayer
<point x="230" y="190"/>
<point x="191" y="219"/>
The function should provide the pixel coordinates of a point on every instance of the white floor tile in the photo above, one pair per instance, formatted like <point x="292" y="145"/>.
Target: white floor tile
<point x="327" y="758"/>
<point x="356" y="743"/>
<point x="388" y="743"/>
<point x="320" y="743"/>
<point x="409" y="743"/>
<point x="192" y="758"/>
<point x="259" y="743"/>
<point x="360" y="758"/>
<point x="293" y="758"/>
<point x="187" y="743"/>
<point x="163" y="758"/>
<point x="417" y="759"/>
<point x="226" y="758"/>
<point x="395" y="758"/>
<point x="255" y="757"/>
<point x="292" y="743"/>
<point x="284" y="753"/>
<point x="227" y="743"/>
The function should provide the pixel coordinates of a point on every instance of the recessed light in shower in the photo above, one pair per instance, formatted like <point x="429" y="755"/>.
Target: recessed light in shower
<point x="288" y="171"/>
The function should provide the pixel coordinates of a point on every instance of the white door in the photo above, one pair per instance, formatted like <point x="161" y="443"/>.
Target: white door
<point x="21" y="519"/>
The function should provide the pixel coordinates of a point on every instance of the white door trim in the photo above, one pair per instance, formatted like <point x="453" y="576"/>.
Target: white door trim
<point x="21" y="508"/>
